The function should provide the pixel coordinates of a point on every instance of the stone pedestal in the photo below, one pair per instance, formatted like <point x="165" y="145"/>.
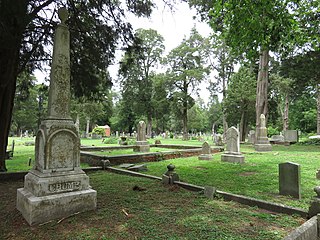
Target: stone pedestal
<point x="232" y="158"/>
<point x="141" y="146"/>
<point x="262" y="143"/>
<point x="205" y="157"/>
<point x="57" y="187"/>
<point x="39" y="209"/>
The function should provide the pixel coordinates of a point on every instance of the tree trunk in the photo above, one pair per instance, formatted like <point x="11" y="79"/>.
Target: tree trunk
<point x="243" y="123"/>
<point x="185" y="123"/>
<point x="149" y="125"/>
<point x="318" y="109"/>
<point x="13" y="22"/>
<point x="286" y="113"/>
<point x="185" y="112"/>
<point x="262" y="87"/>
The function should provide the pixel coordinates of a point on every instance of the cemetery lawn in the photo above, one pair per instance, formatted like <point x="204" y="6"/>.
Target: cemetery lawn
<point x="154" y="212"/>
<point x="257" y="177"/>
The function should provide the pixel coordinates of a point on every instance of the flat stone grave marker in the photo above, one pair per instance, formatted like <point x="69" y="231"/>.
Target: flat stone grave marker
<point x="290" y="179"/>
<point x="138" y="168"/>
<point x="126" y="165"/>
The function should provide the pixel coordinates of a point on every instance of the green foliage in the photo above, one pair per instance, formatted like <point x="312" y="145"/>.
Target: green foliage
<point x="136" y="71"/>
<point x="268" y="25"/>
<point x="197" y="119"/>
<point x="99" y="131"/>
<point x="241" y="95"/>
<point x="314" y="141"/>
<point x="273" y="131"/>
<point x="28" y="104"/>
<point x="186" y="70"/>
<point x="111" y="140"/>
<point x="303" y="114"/>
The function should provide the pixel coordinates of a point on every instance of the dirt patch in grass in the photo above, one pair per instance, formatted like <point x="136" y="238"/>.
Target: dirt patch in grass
<point x="158" y="212"/>
<point x="200" y="168"/>
<point x="247" y="173"/>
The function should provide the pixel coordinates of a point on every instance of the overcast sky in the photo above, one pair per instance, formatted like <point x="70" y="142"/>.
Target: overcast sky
<point x="173" y="26"/>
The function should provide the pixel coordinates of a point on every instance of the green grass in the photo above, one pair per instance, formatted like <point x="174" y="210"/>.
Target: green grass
<point x="159" y="212"/>
<point x="257" y="178"/>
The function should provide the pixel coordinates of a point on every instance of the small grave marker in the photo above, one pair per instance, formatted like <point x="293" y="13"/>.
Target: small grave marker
<point x="290" y="179"/>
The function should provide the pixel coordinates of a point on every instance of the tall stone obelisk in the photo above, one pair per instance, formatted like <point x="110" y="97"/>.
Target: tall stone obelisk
<point x="57" y="187"/>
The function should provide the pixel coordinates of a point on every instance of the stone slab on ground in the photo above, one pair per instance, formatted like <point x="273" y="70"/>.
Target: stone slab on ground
<point x="141" y="148"/>
<point x="205" y="157"/>
<point x="126" y="165"/>
<point x="138" y="168"/>
<point x="38" y="209"/>
<point x="232" y="158"/>
<point x="263" y="147"/>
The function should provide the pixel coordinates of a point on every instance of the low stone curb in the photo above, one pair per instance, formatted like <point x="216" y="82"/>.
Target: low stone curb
<point x="273" y="207"/>
<point x="127" y="172"/>
<point x="15" y="176"/>
<point x="307" y="231"/>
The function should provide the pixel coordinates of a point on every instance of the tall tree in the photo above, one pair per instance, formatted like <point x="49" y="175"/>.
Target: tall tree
<point x="221" y="61"/>
<point x="26" y="29"/>
<point x="250" y="26"/>
<point x="186" y="70"/>
<point x="160" y="102"/>
<point x="136" y="68"/>
<point x="281" y="88"/>
<point x="241" y="99"/>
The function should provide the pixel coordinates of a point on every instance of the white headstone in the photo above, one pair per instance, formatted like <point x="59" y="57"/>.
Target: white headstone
<point x="232" y="153"/>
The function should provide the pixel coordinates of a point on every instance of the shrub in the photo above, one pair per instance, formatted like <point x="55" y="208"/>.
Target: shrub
<point x="99" y="131"/>
<point x="273" y="131"/>
<point x="110" y="140"/>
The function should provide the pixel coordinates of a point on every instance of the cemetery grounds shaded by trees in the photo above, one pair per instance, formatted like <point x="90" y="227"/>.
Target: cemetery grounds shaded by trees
<point x="26" y="30"/>
<point x="264" y="26"/>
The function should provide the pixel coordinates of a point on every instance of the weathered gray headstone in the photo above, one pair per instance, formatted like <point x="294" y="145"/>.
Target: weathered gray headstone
<point x="209" y="192"/>
<point x="218" y="140"/>
<point x="289" y="179"/>
<point x="262" y="143"/>
<point x="141" y="143"/>
<point x="251" y="136"/>
<point x="232" y="153"/>
<point x="57" y="187"/>
<point x="291" y="136"/>
<point x="206" y="152"/>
